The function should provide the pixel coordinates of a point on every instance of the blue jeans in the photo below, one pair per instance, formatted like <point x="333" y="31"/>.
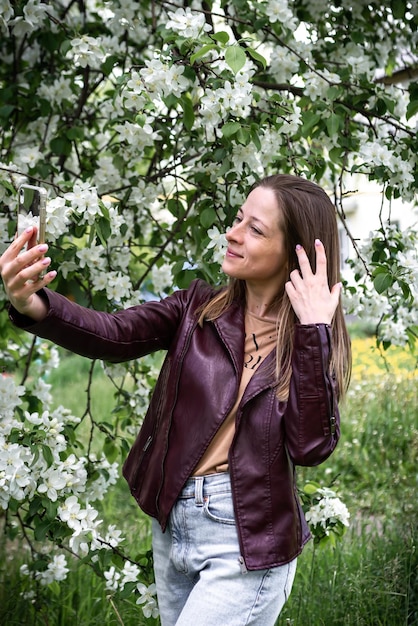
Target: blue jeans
<point x="200" y="577"/>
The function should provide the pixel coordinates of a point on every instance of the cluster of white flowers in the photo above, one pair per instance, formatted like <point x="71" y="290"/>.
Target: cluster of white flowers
<point x="328" y="511"/>
<point x="148" y="599"/>
<point x="6" y="14"/>
<point x="56" y="92"/>
<point x="82" y="521"/>
<point x="376" y="153"/>
<point x="379" y="308"/>
<point x="284" y="64"/>
<point x="278" y="11"/>
<point x="27" y="158"/>
<point x="187" y="23"/>
<point x="57" y="218"/>
<point x="125" y="16"/>
<point x="139" y="398"/>
<point x="317" y="85"/>
<point x="218" y="243"/>
<point x="60" y="476"/>
<point x="232" y="98"/>
<point x="162" y="78"/>
<point x="10" y="398"/>
<point x="88" y="50"/>
<point x="56" y="570"/>
<point x="34" y="13"/>
<point x="137" y="137"/>
<point x="162" y="279"/>
<point x="84" y="200"/>
<point x="116" y="581"/>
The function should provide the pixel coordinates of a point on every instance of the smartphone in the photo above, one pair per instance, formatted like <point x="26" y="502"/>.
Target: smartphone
<point x="31" y="209"/>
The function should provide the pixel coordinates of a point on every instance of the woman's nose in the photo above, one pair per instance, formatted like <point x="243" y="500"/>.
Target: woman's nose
<point x="233" y="233"/>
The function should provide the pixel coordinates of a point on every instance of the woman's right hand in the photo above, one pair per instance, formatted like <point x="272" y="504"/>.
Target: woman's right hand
<point x="21" y="271"/>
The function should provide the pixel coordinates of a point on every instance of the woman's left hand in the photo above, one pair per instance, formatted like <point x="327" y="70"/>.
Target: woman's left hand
<point x="309" y="292"/>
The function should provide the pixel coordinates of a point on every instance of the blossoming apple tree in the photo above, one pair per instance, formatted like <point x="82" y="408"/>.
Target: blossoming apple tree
<point x="147" y="122"/>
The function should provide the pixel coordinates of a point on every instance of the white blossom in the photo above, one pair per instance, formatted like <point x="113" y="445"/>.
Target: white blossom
<point x="10" y="396"/>
<point x="57" y="570"/>
<point x="56" y="92"/>
<point x="217" y="242"/>
<point x="150" y="608"/>
<point x="329" y="510"/>
<point x="6" y="13"/>
<point x="92" y="257"/>
<point x="187" y="23"/>
<point x="162" y="278"/>
<point x="278" y="11"/>
<point x="84" y="200"/>
<point x="87" y="50"/>
<point x="54" y="481"/>
<point x="112" y="577"/>
<point x="130" y="573"/>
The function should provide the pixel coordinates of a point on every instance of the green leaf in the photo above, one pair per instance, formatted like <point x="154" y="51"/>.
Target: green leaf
<point x="103" y="230"/>
<point x="311" y="488"/>
<point x="111" y="450"/>
<point x="230" y="129"/>
<point x="6" y="110"/>
<point x="75" y="133"/>
<point x="333" y="124"/>
<point x="109" y="64"/>
<point x="310" y="119"/>
<point x="412" y="108"/>
<point x="255" y="138"/>
<point x="235" y="57"/>
<point x="60" y="145"/>
<point x="382" y="281"/>
<point x="244" y="136"/>
<point x="188" y="112"/>
<point x="257" y="57"/>
<point x="41" y="530"/>
<point x="47" y="454"/>
<point x="202" y="52"/>
<point x="398" y="9"/>
<point x="208" y="217"/>
<point x="222" y="37"/>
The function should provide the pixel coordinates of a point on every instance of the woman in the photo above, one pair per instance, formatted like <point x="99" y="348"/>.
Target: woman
<point x="247" y="391"/>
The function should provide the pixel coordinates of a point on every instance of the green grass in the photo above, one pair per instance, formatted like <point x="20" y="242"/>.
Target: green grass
<point x="70" y="382"/>
<point x="369" y="579"/>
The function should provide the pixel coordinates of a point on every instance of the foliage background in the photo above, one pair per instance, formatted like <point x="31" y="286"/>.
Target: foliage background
<point x="148" y="122"/>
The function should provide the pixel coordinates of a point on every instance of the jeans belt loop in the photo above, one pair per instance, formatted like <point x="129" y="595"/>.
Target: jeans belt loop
<point x="198" y="493"/>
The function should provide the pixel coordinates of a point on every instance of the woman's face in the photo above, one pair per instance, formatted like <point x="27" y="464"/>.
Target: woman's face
<point x="256" y="248"/>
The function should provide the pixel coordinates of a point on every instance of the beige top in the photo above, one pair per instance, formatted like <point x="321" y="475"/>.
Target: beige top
<point x="260" y="339"/>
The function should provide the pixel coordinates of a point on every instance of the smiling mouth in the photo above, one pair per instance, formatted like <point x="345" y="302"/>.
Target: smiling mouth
<point x="230" y="253"/>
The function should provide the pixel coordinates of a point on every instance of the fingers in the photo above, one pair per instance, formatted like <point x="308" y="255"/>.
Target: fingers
<point x="20" y="270"/>
<point x="308" y="291"/>
<point x="321" y="260"/>
<point x="306" y="272"/>
<point x="27" y="237"/>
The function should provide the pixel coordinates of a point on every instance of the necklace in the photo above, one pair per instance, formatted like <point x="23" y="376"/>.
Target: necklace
<point x="260" y="339"/>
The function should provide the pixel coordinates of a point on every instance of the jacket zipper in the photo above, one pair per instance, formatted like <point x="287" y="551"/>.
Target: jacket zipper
<point x="242" y="565"/>
<point x="150" y="438"/>
<point x="179" y="365"/>
<point x="331" y="396"/>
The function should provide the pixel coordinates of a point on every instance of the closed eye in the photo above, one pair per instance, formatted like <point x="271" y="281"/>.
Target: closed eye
<point x="238" y="219"/>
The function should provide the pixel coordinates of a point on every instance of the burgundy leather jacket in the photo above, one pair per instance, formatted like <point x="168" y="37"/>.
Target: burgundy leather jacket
<point x="196" y="389"/>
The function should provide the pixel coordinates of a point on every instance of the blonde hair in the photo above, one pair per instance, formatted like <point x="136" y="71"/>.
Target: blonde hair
<point x="307" y="214"/>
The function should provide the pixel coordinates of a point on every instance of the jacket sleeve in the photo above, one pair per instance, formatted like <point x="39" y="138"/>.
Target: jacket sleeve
<point x="115" y="337"/>
<point x="312" y="420"/>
